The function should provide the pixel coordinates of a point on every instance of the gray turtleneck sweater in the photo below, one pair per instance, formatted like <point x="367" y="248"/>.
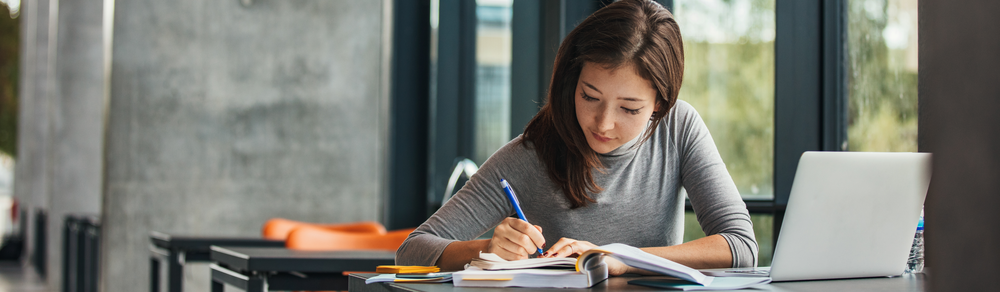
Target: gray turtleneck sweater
<point x="641" y="204"/>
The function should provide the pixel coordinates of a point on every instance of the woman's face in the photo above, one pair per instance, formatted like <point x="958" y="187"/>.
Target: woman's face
<point x="612" y="105"/>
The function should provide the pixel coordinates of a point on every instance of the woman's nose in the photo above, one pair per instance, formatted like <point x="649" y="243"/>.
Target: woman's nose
<point x="604" y="120"/>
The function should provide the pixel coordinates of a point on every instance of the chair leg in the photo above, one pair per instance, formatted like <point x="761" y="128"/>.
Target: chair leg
<point x="176" y="272"/>
<point x="154" y="274"/>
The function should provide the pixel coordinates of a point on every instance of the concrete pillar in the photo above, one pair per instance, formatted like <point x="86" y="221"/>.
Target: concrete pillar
<point x="76" y="124"/>
<point x="222" y="115"/>
<point x="959" y="66"/>
<point x="31" y="173"/>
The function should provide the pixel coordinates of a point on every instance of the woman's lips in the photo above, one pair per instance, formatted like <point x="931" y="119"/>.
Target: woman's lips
<point x="600" y="138"/>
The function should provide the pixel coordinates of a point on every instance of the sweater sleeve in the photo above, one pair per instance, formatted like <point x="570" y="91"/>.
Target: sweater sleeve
<point x="713" y="194"/>
<point x="476" y="208"/>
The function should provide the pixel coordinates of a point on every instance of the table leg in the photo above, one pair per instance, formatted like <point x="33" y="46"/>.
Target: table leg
<point x="154" y="274"/>
<point x="257" y="284"/>
<point x="217" y="286"/>
<point x="175" y="272"/>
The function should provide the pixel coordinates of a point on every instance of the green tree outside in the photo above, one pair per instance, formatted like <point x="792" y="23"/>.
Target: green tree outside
<point x="9" y="65"/>
<point x="729" y="79"/>
<point x="882" y="75"/>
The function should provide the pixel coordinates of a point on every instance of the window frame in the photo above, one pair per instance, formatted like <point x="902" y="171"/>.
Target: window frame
<point x="810" y="88"/>
<point x="409" y="107"/>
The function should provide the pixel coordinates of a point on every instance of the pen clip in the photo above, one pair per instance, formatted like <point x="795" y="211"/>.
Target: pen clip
<point x="506" y="186"/>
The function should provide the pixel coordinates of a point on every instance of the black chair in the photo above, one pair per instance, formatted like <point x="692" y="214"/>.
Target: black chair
<point x="81" y="253"/>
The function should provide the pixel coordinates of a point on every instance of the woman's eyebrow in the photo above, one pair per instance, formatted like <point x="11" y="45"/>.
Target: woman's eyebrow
<point x="599" y="91"/>
<point x="591" y="86"/>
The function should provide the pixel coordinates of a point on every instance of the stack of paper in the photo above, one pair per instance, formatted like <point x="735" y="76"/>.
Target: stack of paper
<point x="532" y="278"/>
<point x="531" y="273"/>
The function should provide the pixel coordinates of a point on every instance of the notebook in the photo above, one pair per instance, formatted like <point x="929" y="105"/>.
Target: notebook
<point x="438" y="277"/>
<point x="392" y="269"/>
<point x="849" y="215"/>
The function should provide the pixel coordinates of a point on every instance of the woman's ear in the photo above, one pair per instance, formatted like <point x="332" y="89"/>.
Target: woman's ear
<point x="657" y="109"/>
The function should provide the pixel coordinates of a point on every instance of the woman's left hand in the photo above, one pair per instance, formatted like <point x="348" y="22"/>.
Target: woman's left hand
<point x="568" y="247"/>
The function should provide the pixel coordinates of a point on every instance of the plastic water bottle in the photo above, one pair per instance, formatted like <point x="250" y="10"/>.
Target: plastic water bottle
<point x="915" y="264"/>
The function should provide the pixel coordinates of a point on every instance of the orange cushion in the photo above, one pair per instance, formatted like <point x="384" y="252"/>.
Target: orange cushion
<point x="315" y="238"/>
<point x="279" y="228"/>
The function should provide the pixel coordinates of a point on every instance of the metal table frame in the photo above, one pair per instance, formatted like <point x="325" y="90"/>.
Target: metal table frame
<point x="264" y="269"/>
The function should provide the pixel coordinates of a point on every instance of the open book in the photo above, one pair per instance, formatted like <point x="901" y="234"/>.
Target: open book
<point x="588" y="270"/>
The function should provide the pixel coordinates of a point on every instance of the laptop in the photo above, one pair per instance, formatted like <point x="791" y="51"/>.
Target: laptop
<point x="849" y="215"/>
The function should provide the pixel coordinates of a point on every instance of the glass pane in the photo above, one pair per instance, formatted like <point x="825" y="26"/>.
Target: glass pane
<point x="729" y="79"/>
<point x="763" y="226"/>
<point x="882" y="75"/>
<point x="493" y="55"/>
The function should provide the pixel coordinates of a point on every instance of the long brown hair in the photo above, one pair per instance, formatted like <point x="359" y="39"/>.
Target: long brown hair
<point x="640" y="33"/>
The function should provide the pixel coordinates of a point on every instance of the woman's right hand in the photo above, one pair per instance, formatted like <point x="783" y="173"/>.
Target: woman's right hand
<point x="515" y="239"/>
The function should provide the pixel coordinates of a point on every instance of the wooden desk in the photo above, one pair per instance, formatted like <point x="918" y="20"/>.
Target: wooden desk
<point x="178" y="250"/>
<point x="905" y="283"/>
<point x="265" y="269"/>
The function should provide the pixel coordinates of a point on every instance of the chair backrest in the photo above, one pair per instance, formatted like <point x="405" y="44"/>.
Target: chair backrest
<point x="280" y="228"/>
<point x="314" y="238"/>
<point x="464" y="167"/>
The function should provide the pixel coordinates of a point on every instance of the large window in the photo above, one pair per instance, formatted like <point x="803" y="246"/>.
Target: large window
<point x="729" y="79"/>
<point x="771" y="79"/>
<point x="493" y="56"/>
<point x="882" y="75"/>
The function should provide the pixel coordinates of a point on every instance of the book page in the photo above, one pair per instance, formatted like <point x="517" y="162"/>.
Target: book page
<point x="489" y="261"/>
<point x="637" y="258"/>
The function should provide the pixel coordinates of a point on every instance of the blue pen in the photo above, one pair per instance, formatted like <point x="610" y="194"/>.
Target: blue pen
<point x="513" y="201"/>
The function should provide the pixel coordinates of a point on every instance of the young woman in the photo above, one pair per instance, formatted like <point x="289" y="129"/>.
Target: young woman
<point x="602" y="162"/>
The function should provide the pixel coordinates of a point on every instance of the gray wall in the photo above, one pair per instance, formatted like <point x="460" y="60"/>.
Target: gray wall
<point x="223" y="115"/>
<point x="960" y="124"/>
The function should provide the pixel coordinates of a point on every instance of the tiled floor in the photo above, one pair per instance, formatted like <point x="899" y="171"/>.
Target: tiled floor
<point x="17" y="278"/>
